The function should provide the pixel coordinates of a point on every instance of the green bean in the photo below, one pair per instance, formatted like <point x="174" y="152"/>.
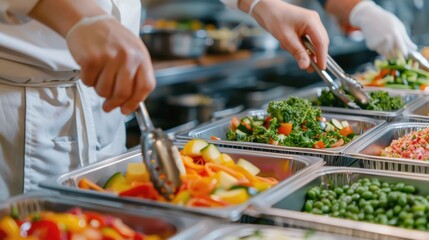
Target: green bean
<point x="409" y="189"/>
<point x="308" y="205"/>
<point x="399" y="187"/>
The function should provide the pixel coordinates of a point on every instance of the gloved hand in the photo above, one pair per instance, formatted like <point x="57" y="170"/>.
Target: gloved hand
<point x="288" y="23"/>
<point x="382" y="30"/>
<point x="114" y="61"/>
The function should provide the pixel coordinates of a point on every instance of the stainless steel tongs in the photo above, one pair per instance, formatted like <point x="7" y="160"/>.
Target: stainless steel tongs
<point x="160" y="155"/>
<point x="418" y="57"/>
<point x="349" y="84"/>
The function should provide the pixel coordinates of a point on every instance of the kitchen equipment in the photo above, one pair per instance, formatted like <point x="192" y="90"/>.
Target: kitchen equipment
<point x="368" y="149"/>
<point x="160" y="155"/>
<point x="224" y="40"/>
<point x="283" y="167"/>
<point x="286" y="205"/>
<point x="333" y="156"/>
<point x="347" y="81"/>
<point x="174" y="43"/>
<point x="312" y="94"/>
<point x="160" y="222"/>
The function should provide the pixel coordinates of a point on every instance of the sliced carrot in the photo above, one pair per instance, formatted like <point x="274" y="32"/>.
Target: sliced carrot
<point x="285" y="128"/>
<point x="423" y="87"/>
<point x="338" y="143"/>
<point x="268" y="180"/>
<point x="201" y="187"/>
<point x="84" y="183"/>
<point x="346" y="131"/>
<point x="267" y="122"/>
<point x="319" y="145"/>
<point x="234" y="123"/>
<point x="219" y="167"/>
<point x="215" y="138"/>
<point x="189" y="162"/>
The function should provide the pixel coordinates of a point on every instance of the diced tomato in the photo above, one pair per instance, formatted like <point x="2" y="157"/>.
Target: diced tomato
<point x="214" y="138"/>
<point x="44" y="229"/>
<point x="285" y="128"/>
<point x="234" y="123"/>
<point x="139" y="236"/>
<point x="205" y="201"/>
<point x="144" y="190"/>
<point x="346" y="131"/>
<point x="319" y="145"/>
<point x="267" y="122"/>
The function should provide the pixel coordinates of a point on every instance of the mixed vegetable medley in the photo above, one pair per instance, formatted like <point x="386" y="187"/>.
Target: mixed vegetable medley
<point x="372" y="200"/>
<point x="414" y="145"/>
<point x="292" y="122"/>
<point x="396" y="73"/>
<point x="380" y="101"/>
<point x="211" y="179"/>
<point x="74" y="224"/>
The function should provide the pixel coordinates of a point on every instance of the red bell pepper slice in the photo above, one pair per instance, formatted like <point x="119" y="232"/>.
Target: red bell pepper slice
<point x="144" y="190"/>
<point x="205" y="201"/>
<point x="95" y="219"/>
<point x="45" y="229"/>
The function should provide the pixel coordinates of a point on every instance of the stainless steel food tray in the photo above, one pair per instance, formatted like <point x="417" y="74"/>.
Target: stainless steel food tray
<point x="367" y="150"/>
<point x="332" y="156"/>
<point x="146" y="220"/>
<point x="409" y="98"/>
<point x="239" y="231"/>
<point x="284" y="207"/>
<point x="418" y="112"/>
<point x="285" y="168"/>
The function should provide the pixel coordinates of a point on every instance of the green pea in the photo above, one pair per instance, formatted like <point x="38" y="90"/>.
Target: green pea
<point x="389" y="213"/>
<point x="382" y="201"/>
<point x="312" y="194"/>
<point x="361" y="216"/>
<point x="382" y="219"/>
<point x="318" y="204"/>
<point x="355" y="197"/>
<point x="402" y="200"/>
<point x="384" y="185"/>
<point x="326" y="202"/>
<point x="421" y="221"/>
<point x="369" y="217"/>
<point x="345" y="187"/>
<point x="362" y="203"/>
<point x="325" y="209"/>
<point x="350" y="191"/>
<point x="308" y="205"/>
<point x="336" y="214"/>
<point x="353" y="208"/>
<point x="419" y="214"/>
<point x="418" y="208"/>
<point x="368" y="209"/>
<point x="380" y="211"/>
<point x="374" y="203"/>
<point x="392" y="197"/>
<point x="338" y="191"/>
<point x="342" y="212"/>
<point x="374" y="188"/>
<point x="399" y="187"/>
<point x="386" y="190"/>
<point x="367" y="195"/>
<point x="409" y="222"/>
<point x="421" y="228"/>
<point x="354" y="216"/>
<point x="343" y="205"/>
<point x="410" y="199"/>
<point x="360" y="190"/>
<point x="397" y="209"/>
<point x="317" y="211"/>
<point x="347" y="199"/>
<point x="403" y="214"/>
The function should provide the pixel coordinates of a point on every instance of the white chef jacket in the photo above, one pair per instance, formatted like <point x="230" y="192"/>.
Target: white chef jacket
<point x="50" y="122"/>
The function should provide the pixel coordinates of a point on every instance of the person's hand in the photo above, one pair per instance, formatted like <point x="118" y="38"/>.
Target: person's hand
<point x="114" y="61"/>
<point x="383" y="31"/>
<point x="288" y="24"/>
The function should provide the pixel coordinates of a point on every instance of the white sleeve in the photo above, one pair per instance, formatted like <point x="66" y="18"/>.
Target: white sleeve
<point x="15" y="11"/>
<point x="233" y="4"/>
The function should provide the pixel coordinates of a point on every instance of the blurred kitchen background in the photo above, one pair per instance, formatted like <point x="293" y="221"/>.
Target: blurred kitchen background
<point x="212" y="62"/>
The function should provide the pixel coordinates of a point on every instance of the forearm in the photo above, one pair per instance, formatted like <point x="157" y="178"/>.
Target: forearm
<point x="61" y="15"/>
<point x="341" y="9"/>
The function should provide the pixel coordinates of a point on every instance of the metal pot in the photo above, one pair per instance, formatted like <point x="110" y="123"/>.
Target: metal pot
<point x="174" y="43"/>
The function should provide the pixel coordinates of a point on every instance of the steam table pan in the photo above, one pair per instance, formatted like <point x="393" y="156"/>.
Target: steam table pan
<point x="332" y="156"/>
<point x="284" y="208"/>
<point x="418" y="112"/>
<point x="285" y="168"/>
<point x="146" y="220"/>
<point x="368" y="149"/>
<point x="409" y="99"/>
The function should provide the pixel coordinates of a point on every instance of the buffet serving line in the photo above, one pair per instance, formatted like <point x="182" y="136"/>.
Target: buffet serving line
<point x="302" y="167"/>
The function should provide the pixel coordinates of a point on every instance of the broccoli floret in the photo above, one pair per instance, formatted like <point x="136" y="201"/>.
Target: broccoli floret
<point x="381" y="101"/>
<point x="294" y="110"/>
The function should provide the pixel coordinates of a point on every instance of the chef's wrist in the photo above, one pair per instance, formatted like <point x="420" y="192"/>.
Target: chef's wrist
<point x="62" y="15"/>
<point x="250" y="6"/>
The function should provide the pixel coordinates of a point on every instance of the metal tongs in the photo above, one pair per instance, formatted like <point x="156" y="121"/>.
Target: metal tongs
<point x="349" y="84"/>
<point x="160" y="155"/>
<point x="418" y="57"/>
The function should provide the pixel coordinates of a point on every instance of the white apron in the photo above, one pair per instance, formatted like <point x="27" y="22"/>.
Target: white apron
<point x="51" y="123"/>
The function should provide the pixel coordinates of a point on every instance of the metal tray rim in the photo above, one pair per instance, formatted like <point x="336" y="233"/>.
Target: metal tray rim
<point x="408" y="112"/>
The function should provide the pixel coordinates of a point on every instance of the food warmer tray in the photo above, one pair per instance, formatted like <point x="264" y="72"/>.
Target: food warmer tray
<point x="285" y="168"/>
<point x="367" y="150"/>
<point x="146" y="220"/>
<point x="333" y="156"/>
<point x="284" y="207"/>
<point x="418" y="112"/>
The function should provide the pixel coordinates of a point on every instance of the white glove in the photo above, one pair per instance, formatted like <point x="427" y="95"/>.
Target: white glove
<point x="383" y="31"/>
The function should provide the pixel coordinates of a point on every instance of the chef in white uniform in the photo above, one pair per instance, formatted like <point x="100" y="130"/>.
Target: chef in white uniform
<point x="50" y="122"/>
<point x="51" y="117"/>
